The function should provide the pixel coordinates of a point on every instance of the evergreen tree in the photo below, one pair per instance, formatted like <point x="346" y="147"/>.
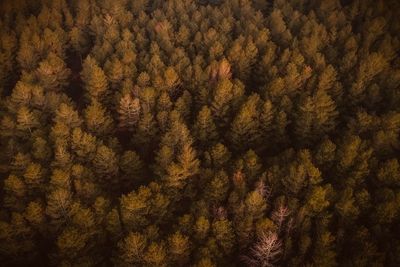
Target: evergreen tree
<point x="26" y="120"/>
<point x="316" y="117"/>
<point x="245" y="127"/>
<point x="53" y="73"/>
<point x="199" y="133"/>
<point x="204" y="128"/>
<point x="97" y="119"/>
<point x="129" y="111"/>
<point x="95" y="80"/>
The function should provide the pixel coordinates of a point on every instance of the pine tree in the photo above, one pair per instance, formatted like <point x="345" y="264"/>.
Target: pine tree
<point x="97" y="119"/>
<point x="129" y="111"/>
<point x="317" y="199"/>
<point x="135" y="208"/>
<point x="266" y="122"/>
<point x="316" y="117"/>
<point x="17" y="239"/>
<point x="132" y="248"/>
<point x="68" y="116"/>
<point x="105" y="162"/>
<point x="15" y="192"/>
<point x="276" y="22"/>
<point x="115" y="71"/>
<point x="201" y="228"/>
<point x="53" y="73"/>
<point x="79" y="40"/>
<point x="183" y="105"/>
<point x="83" y="144"/>
<point x="33" y="177"/>
<point x="146" y="133"/>
<point x="27" y="57"/>
<point x="156" y="255"/>
<point x="35" y="214"/>
<point x="217" y="190"/>
<point x="182" y="162"/>
<point x="389" y="172"/>
<point x="95" y="80"/>
<point x="220" y="103"/>
<point x="223" y="232"/>
<point x="164" y="106"/>
<point x="252" y="165"/>
<point x="244" y="132"/>
<point x="59" y="204"/>
<point x="171" y="79"/>
<point x="133" y="167"/>
<point x="204" y="129"/>
<point x="187" y="166"/>
<point x="26" y="120"/>
<point x="219" y="155"/>
<point x="179" y="249"/>
<point x="346" y="205"/>
<point x="21" y="94"/>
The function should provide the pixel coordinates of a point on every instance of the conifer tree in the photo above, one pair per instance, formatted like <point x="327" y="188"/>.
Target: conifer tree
<point x="245" y="127"/>
<point x="26" y="120"/>
<point x="179" y="249"/>
<point x="83" y="144"/>
<point x="180" y="162"/>
<point x="68" y="116"/>
<point x="132" y="248"/>
<point x="129" y="111"/>
<point x="97" y="119"/>
<point x="115" y="71"/>
<point x="53" y="73"/>
<point x="95" y="80"/>
<point x="316" y="116"/>
<point x="105" y="162"/>
<point x="199" y="133"/>
<point x="15" y="192"/>
<point x="221" y="100"/>
<point x="222" y="230"/>
<point x="205" y="130"/>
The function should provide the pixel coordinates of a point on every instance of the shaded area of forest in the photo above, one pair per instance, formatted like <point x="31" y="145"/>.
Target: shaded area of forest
<point x="199" y="133"/>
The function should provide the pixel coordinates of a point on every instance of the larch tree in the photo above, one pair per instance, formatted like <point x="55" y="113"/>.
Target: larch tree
<point x="53" y="73"/>
<point x="245" y="127"/>
<point x="129" y="112"/>
<point x="205" y="130"/>
<point x="316" y="116"/>
<point x="95" y="80"/>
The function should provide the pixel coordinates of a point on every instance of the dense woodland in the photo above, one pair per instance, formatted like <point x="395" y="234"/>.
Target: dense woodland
<point x="200" y="133"/>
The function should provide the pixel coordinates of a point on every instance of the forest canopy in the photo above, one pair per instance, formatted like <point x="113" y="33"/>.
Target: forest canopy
<point x="200" y="133"/>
